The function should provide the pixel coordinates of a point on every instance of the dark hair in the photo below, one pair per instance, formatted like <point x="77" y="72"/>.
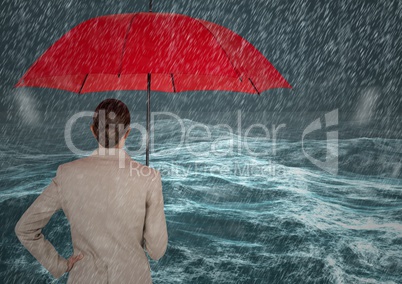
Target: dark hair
<point x="112" y="119"/>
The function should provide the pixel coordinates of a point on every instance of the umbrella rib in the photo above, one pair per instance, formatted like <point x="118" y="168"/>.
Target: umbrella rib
<point x="227" y="56"/>
<point x="124" y="45"/>
<point x="83" y="83"/>
<point x="254" y="86"/>
<point x="174" y="87"/>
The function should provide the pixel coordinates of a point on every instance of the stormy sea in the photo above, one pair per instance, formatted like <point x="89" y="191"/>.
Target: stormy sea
<point x="239" y="208"/>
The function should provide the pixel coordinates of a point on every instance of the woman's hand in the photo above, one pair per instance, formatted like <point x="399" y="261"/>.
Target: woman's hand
<point x="72" y="260"/>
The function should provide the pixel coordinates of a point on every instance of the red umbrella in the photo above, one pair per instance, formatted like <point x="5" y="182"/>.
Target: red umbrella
<point x="152" y="51"/>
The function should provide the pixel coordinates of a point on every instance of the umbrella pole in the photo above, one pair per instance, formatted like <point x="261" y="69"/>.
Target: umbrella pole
<point x="148" y="116"/>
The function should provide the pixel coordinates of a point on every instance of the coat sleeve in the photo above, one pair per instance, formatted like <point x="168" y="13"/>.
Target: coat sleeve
<point x="29" y="228"/>
<point x="155" y="230"/>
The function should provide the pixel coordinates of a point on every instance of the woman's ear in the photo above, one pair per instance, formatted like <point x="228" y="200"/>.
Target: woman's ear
<point x="92" y="130"/>
<point x="128" y="131"/>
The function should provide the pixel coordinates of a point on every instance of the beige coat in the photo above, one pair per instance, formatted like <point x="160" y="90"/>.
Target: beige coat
<point x="115" y="209"/>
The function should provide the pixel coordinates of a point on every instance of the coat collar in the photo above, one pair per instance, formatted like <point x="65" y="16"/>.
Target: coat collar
<point x="110" y="153"/>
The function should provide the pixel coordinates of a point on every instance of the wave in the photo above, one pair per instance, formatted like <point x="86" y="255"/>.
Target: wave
<point x="241" y="217"/>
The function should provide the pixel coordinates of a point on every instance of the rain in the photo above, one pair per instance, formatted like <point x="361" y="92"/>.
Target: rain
<point x="291" y="185"/>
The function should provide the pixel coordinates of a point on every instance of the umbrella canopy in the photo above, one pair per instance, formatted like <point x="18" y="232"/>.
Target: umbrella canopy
<point x="121" y="52"/>
<point x="116" y="52"/>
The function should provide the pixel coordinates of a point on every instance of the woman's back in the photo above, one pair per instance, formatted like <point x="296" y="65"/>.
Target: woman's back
<point x="113" y="204"/>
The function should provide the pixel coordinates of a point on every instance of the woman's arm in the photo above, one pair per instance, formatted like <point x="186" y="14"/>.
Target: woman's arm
<point x="29" y="229"/>
<point x="155" y="231"/>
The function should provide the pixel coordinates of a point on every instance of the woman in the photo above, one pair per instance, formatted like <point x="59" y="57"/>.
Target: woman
<point x="114" y="206"/>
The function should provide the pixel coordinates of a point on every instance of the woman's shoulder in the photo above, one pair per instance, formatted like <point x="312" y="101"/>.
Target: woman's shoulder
<point x="140" y="170"/>
<point x="132" y="167"/>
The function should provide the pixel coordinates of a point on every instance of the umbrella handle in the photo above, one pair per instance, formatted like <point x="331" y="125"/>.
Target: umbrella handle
<point x="148" y="116"/>
<point x="150" y="5"/>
